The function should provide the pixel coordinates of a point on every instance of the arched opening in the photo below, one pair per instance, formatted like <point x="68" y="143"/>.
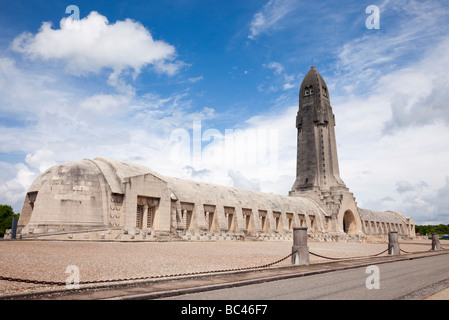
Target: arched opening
<point x="349" y="224"/>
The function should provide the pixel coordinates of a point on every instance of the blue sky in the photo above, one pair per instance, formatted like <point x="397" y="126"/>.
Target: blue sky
<point x="135" y="80"/>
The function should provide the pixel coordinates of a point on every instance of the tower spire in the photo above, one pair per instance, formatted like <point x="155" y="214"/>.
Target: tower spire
<point x="317" y="161"/>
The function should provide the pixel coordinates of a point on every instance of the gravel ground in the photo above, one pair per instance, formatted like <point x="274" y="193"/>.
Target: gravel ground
<point x="48" y="260"/>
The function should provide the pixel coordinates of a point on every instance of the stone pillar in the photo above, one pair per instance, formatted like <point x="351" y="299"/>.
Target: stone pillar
<point x="184" y="219"/>
<point x="435" y="242"/>
<point x="393" y="244"/>
<point x="300" y="250"/>
<point x="145" y="216"/>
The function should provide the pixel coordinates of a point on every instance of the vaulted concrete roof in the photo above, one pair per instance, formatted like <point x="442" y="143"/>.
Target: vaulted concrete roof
<point x="73" y="171"/>
<point x="206" y="193"/>
<point x="189" y="191"/>
<point x="383" y="216"/>
<point x="116" y="172"/>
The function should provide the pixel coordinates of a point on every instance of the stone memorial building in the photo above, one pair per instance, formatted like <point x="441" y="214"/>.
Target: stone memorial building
<point x="114" y="200"/>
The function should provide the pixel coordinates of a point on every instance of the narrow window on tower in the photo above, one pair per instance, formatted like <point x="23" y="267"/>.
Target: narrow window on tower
<point x="308" y="90"/>
<point x="324" y="91"/>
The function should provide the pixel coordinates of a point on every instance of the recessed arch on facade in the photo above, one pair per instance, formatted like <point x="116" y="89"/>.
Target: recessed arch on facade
<point x="349" y="222"/>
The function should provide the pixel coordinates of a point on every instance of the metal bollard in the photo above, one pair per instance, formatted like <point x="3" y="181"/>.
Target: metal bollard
<point x="436" y="242"/>
<point x="14" y="227"/>
<point x="393" y="244"/>
<point x="300" y="250"/>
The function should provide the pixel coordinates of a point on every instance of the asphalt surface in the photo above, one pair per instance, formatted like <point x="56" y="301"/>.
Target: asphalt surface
<point x="394" y="281"/>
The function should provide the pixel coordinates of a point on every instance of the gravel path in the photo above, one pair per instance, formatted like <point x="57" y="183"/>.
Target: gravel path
<point x="48" y="260"/>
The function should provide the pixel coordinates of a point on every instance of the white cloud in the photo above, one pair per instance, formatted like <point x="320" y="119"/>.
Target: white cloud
<point x="269" y="16"/>
<point x="405" y="186"/>
<point x="240" y="181"/>
<point x="390" y="97"/>
<point x="27" y="93"/>
<point x="430" y="205"/>
<point x="92" y="44"/>
<point x="195" y="79"/>
<point x="276" y="66"/>
<point x="280" y="75"/>
<point x="20" y="176"/>
<point x="13" y="190"/>
<point x="288" y="86"/>
<point x="393" y="139"/>
<point x="420" y="93"/>
<point x="412" y="28"/>
<point x="105" y="105"/>
<point x="258" y="154"/>
<point x="52" y="122"/>
<point x="42" y="159"/>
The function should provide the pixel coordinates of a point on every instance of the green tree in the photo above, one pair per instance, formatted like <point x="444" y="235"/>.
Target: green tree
<point x="6" y="215"/>
<point x="441" y="229"/>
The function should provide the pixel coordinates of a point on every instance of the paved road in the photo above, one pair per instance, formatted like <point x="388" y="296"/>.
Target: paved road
<point x="396" y="280"/>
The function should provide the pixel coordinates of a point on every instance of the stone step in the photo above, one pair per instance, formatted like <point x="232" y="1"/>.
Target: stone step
<point x="252" y="238"/>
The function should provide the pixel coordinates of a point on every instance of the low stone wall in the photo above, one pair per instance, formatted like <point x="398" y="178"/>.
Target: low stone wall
<point x="149" y="234"/>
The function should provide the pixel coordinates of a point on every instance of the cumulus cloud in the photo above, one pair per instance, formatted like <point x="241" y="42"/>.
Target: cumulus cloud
<point x="428" y="205"/>
<point x="13" y="190"/>
<point x="92" y="44"/>
<point x="52" y="121"/>
<point x="42" y="159"/>
<point x="401" y="167"/>
<point x="405" y="186"/>
<point x="390" y="98"/>
<point x="420" y="93"/>
<point x="17" y="178"/>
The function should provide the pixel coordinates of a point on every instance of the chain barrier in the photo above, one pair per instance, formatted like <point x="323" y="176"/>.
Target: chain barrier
<point x="346" y="258"/>
<point x="374" y="255"/>
<point x="53" y="283"/>
<point x="431" y="249"/>
<point x="417" y="251"/>
<point x="59" y="283"/>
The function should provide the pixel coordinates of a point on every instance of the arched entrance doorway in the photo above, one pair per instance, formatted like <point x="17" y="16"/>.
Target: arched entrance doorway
<point x="349" y="224"/>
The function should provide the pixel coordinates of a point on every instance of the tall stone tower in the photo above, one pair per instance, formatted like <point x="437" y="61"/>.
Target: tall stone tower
<point x="317" y="162"/>
<point x="317" y="171"/>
